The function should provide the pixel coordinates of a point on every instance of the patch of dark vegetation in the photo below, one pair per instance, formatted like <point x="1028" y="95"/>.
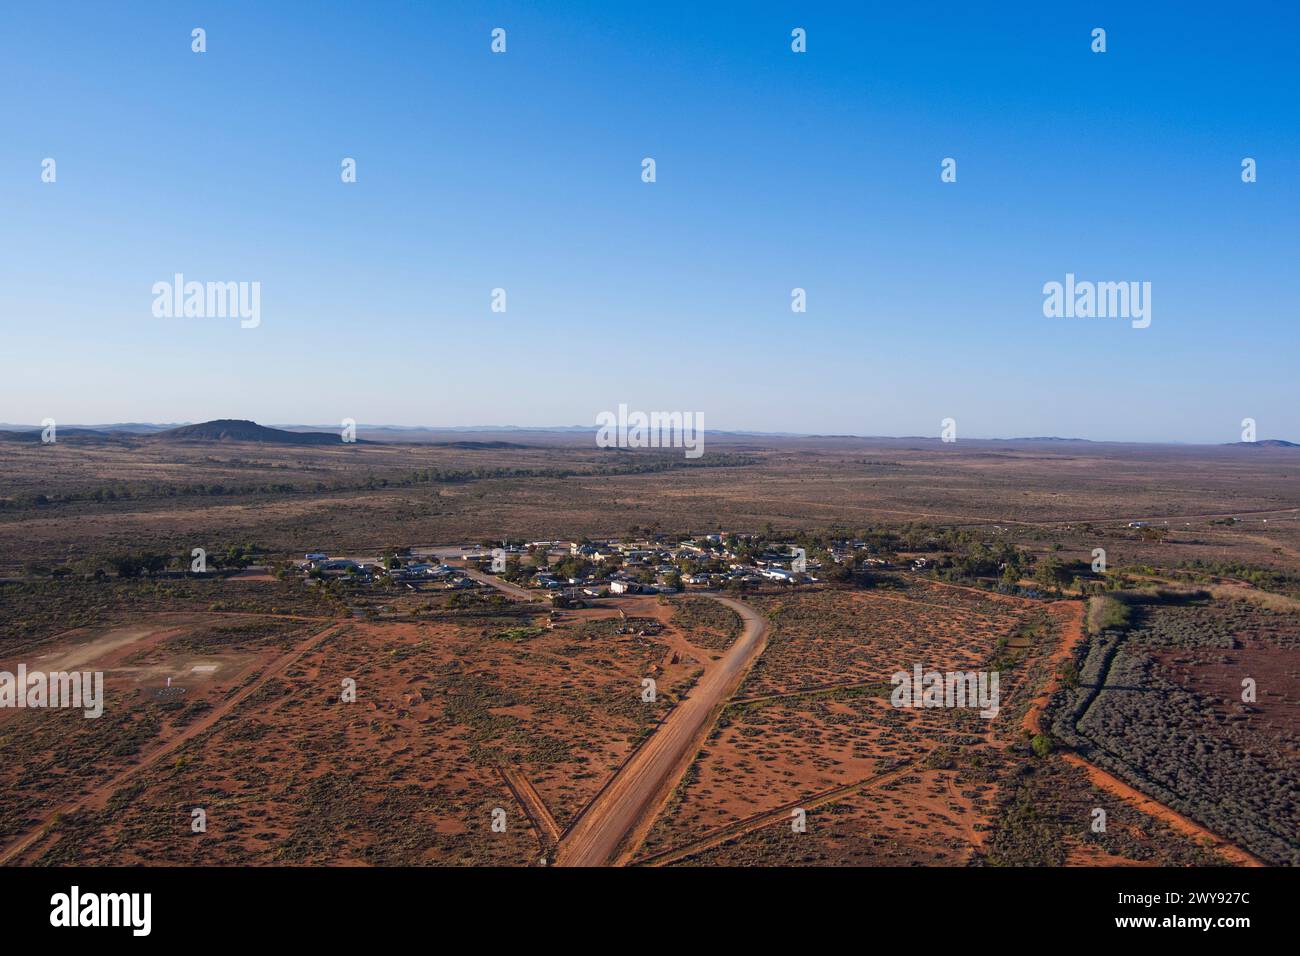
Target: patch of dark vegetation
<point x="1196" y="748"/>
<point x="1046" y="809"/>
<point x="706" y="623"/>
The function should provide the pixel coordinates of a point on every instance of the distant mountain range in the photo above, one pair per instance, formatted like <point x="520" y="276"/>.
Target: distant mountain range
<point x="33" y="434"/>
<point x="241" y="430"/>
<point x="220" y="430"/>
<point x="131" y="428"/>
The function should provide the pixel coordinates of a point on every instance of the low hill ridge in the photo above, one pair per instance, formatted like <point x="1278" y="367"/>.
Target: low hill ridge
<point x="240" y="430"/>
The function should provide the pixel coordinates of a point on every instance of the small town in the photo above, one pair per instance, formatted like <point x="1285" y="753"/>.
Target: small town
<point x="571" y="571"/>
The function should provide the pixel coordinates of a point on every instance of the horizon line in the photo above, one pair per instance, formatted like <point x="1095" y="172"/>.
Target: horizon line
<point x="745" y="432"/>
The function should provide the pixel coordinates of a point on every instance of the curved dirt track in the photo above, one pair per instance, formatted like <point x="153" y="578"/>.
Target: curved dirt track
<point x="605" y="832"/>
<point x="1166" y="814"/>
<point x="1073" y="633"/>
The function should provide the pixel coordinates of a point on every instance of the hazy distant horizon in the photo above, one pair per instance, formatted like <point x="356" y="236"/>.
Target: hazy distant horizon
<point x="580" y="428"/>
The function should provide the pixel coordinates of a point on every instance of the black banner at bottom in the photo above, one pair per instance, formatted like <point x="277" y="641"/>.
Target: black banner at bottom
<point x="139" y="905"/>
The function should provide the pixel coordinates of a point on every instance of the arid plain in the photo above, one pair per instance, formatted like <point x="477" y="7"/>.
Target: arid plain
<point x="554" y="484"/>
<point x="1119" y="689"/>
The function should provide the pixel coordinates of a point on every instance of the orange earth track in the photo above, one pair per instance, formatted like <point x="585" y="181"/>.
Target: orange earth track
<point x="761" y="820"/>
<point x="548" y="831"/>
<point x="1072" y="633"/>
<point x="1168" y="815"/>
<point x="98" y="797"/>
<point x="612" y="825"/>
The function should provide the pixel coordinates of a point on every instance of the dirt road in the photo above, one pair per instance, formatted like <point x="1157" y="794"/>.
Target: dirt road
<point x="780" y="815"/>
<point x="493" y="581"/>
<point x="548" y="831"/>
<point x="607" y="831"/>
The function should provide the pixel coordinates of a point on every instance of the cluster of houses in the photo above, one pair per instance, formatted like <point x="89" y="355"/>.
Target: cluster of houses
<point x="650" y="567"/>
<point x="318" y="565"/>
<point x="626" y="575"/>
<point x="601" y="568"/>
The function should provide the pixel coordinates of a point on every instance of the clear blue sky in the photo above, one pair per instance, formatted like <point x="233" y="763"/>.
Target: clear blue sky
<point x="775" y="170"/>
